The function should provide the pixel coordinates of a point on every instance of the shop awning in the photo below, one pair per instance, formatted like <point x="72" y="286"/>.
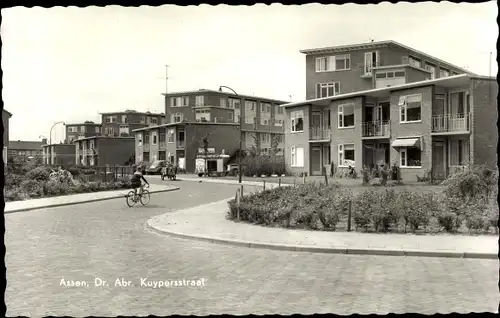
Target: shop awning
<point x="406" y="142"/>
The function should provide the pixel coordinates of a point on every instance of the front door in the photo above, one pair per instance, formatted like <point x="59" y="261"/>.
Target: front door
<point x="315" y="161"/>
<point x="438" y="166"/>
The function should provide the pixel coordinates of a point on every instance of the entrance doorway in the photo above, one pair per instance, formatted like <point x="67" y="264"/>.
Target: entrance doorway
<point x="438" y="163"/>
<point x="315" y="160"/>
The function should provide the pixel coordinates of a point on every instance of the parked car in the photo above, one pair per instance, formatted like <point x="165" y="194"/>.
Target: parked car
<point x="232" y="169"/>
<point x="156" y="166"/>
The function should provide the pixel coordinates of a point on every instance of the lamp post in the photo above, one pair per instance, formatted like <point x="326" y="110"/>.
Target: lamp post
<point x="241" y="140"/>
<point x="50" y="139"/>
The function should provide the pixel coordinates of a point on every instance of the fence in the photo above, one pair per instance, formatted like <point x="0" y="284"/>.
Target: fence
<point x="100" y="173"/>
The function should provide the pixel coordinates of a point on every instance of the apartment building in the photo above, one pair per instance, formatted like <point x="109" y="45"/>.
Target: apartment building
<point x="82" y="130"/>
<point x="29" y="149"/>
<point x="103" y="150"/>
<point x="262" y="118"/>
<point x="345" y="69"/>
<point x="121" y="124"/>
<point x="59" y="154"/>
<point x="5" y="122"/>
<point x="436" y="125"/>
<point x="182" y="143"/>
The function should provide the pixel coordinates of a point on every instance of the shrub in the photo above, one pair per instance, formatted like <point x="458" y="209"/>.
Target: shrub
<point x="13" y="180"/>
<point x="450" y="221"/>
<point x="364" y="205"/>
<point x="54" y="187"/>
<point x="15" y="194"/>
<point x="32" y="187"/>
<point x="261" y="164"/>
<point x="39" y="174"/>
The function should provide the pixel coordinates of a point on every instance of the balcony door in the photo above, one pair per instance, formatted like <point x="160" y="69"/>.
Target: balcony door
<point x="371" y="60"/>
<point x="316" y="160"/>
<point x="458" y="109"/>
<point x="316" y="125"/>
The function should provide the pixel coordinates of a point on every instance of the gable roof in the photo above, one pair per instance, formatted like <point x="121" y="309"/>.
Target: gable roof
<point x="378" y="44"/>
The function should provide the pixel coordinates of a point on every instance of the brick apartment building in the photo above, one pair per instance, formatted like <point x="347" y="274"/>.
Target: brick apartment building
<point x="5" y="122"/>
<point x="59" y="154"/>
<point x="262" y="117"/>
<point x="82" y="130"/>
<point x="367" y="119"/>
<point x="103" y="150"/>
<point x="182" y="143"/>
<point x="27" y="148"/>
<point x="121" y="124"/>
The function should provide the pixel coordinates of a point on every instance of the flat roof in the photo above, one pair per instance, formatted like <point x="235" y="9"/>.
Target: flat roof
<point x="57" y="145"/>
<point x="25" y="145"/>
<point x="126" y="112"/>
<point x="103" y="137"/>
<point x="185" y="123"/>
<point x="83" y="124"/>
<point x="450" y="81"/>
<point x="373" y="45"/>
<point x="225" y="93"/>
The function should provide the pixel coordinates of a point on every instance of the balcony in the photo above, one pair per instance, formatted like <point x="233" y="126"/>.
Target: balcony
<point x="451" y="124"/>
<point x="319" y="134"/>
<point x="145" y="147"/>
<point x="376" y="129"/>
<point x="180" y="144"/>
<point x="163" y="145"/>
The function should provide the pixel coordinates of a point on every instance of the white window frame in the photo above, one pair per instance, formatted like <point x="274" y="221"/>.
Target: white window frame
<point x="402" y="105"/>
<point x="223" y="102"/>
<point x="278" y="122"/>
<point x="341" y="156"/>
<point x="154" y="121"/>
<point x="368" y="67"/>
<point x="180" y="115"/>
<point x="335" y="85"/>
<point x="231" y="116"/>
<point x="431" y="68"/>
<point x="403" y="153"/>
<point x="170" y="136"/>
<point x="180" y="101"/>
<point x="295" y="162"/>
<point x="441" y="72"/>
<point x="329" y="63"/>
<point x="415" y="62"/>
<point x="296" y="115"/>
<point x="200" y="101"/>
<point x="341" y="113"/>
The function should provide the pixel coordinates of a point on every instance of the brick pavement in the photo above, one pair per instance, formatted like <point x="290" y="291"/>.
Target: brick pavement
<point x="109" y="240"/>
<point x="209" y="222"/>
<point x="17" y="206"/>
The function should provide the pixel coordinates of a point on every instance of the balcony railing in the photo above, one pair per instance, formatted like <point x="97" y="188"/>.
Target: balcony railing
<point x="319" y="133"/>
<point x="451" y="123"/>
<point x="376" y="129"/>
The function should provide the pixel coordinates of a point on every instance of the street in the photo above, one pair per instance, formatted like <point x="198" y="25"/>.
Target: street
<point x="109" y="241"/>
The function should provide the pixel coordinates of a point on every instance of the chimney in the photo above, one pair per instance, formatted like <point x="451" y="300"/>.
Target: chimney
<point x="44" y="141"/>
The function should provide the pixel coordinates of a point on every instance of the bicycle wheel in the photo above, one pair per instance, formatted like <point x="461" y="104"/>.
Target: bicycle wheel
<point x="145" y="197"/>
<point x="130" y="199"/>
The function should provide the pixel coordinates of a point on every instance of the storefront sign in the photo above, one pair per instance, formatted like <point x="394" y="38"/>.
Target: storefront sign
<point x="209" y="150"/>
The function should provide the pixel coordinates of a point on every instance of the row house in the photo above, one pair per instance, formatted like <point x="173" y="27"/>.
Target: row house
<point x="5" y="122"/>
<point x="345" y="69"/>
<point x="261" y="118"/>
<point x="59" y="154"/>
<point x="181" y="144"/>
<point x="436" y="125"/>
<point x="103" y="150"/>
<point x="121" y="124"/>
<point x="21" y="148"/>
<point x="82" y="130"/>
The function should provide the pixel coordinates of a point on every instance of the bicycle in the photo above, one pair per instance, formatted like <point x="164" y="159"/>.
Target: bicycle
<point x="132" y="198"/>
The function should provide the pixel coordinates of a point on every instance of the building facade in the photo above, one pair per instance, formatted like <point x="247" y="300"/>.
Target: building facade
<point x="182" y="144"/>
<point x="103" y="150"/>
<point x="27" y="148"/>
<point x="433" y="125"/>
<point x="5" y="122"/>
<point x="82" y="130"/>
<point x="262" y="118"/>
<point x="59" y="154"/>
<point x="121" y="124"/>
<point x="345" y="69"/>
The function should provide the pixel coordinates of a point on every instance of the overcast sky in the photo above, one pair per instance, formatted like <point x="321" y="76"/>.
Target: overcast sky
<point x="68" y="64"/>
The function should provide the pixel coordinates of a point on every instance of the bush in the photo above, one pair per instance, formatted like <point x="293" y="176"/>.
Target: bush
<point x="32" y="187"/>
<point x="364" y="206"/>
<point x="39" y="174"/>
<point x="261" y="164"/>
<point x="450" y="221"/>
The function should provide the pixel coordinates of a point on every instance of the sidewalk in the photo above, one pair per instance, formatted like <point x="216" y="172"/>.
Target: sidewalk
<point x="33" y="204"/>
<point x="208" y="223"/>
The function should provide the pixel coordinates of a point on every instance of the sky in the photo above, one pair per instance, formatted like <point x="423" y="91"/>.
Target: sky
<point x="70" y="64"/>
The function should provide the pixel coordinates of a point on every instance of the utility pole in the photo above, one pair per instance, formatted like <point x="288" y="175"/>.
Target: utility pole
<point x="166" y="79"/>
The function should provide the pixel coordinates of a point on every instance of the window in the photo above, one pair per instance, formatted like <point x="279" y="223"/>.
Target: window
<point x="280" y="110"/>
<point x="431" y="68"/>
<point x="223" y="102"/>
<point x="444" y="73"/>
<point x="297" y="156"/>
<point x="146" y="137"/>
<point x="333" y="63"/>
<point x="234" y="103"/>
<point x="346" y="155"/>
<point x="410" y="157"/>
<point x="154" y="138"/>
<point x="327" y="89"/>
<point x="414" y="62"/>
<point x="346" y="116"/>
<point x="97" y="129"/>
<point x="72" y="129"/>
<point x="179" y="101"/>
<point x="171" y="133"/>
<point x="278" y="122"/>
<point x="384" y="75"/>
<point x="162" y="136"/>
<point x="459" y="152"/>
<point x="200" y="100"/>
<point x="264" y="137"/>
<point x="154" y="121"/>
<point x="124" y="119"/>
<point x="230" y="116"/>
<point x="177" y="117"/>
<point x="410" y="108"/>
<point x="250" y="112"/>
<point x="264" y="122"/>
<point x="265" y="107"/>
<point x="297" y="121"/>
<point x="143" y="119"/>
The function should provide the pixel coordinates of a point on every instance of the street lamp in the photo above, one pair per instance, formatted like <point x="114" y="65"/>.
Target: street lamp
<point x="241" y="140"/>
<point x="50" y="139"/>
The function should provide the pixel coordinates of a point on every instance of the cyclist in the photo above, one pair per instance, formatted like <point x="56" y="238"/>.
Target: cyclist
<point x="136" y="181"/>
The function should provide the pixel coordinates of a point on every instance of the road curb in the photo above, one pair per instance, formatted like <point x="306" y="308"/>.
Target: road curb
<point x="327" y="250"/>
<point x="81" y="202"/>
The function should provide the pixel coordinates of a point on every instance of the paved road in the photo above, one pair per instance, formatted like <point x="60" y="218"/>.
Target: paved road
<point x="109" y="241"/>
